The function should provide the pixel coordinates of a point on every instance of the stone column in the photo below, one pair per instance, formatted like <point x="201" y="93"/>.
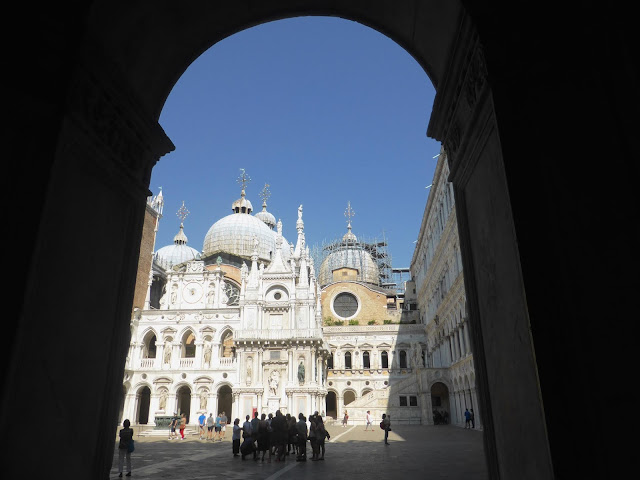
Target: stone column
<point x="193" y="410"/>
<point x="198" y="361"/>
<point x="313" y="366"/>
<point x="128" y="409"/>
<point x="260" y="367"/>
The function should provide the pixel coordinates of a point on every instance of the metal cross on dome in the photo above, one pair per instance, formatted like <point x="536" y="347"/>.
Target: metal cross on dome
<point x="243" y="179"/>
<point x="349" y="213"/>
<point x="182" y="212"/>
<point x="265" y="193"/>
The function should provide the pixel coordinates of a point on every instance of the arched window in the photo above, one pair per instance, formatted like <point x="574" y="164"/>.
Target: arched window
<point x="330" y="361"/>
<point x="365" y="360"/>
<point x="189" y="345"/>
<point x="403" y="359"/>
<point x="149" y="350"/>
<point x="384" y="359"/>
<point x="347" y="360"/>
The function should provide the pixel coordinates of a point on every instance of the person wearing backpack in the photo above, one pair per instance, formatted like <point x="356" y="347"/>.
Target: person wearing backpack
<point x="386" y="424"/>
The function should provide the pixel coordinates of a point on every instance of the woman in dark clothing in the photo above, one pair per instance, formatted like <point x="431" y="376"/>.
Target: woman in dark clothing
<point x="126" y="437"/>
<point x="263" y="437"/>
<point x="321" y="435"/>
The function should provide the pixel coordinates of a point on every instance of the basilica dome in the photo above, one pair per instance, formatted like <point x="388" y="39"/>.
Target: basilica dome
<point x="235" y="233"/>
<point x="349" y="255"/>
<point x="177" y="253"/>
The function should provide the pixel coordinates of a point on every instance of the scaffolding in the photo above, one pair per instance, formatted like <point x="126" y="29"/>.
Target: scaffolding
<point x="368" y="257"/>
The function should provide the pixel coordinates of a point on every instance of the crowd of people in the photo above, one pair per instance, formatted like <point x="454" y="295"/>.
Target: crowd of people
<point x="263" y="436"/>
<point x="278" y="436"/>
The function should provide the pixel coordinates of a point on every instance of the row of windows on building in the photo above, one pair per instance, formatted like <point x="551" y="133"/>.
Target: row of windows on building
<point x="403" y="360"/>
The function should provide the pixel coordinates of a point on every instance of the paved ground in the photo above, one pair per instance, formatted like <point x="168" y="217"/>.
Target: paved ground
<point x="415" y="452"/>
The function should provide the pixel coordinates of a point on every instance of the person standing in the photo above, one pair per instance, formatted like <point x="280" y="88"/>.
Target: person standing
<point x="201" y="422"/>
<point x="313" y="439"/>
<point x="183" y="425"/>
<point x="301" y="428"/>
<point x="235" y="437"/>
<point x="254" y="434"/>
<point x="472" y="419"/>
<point x="321" y="435"/>
<point x="369" y="421"/>
<point x="386" y="423"/>
<point x="263" y="437"/>
<point x="126" y="437"/>
<point x="218" y="428"/>
<point x="210" y="423"/>
<point x="174" y="426"/>
<point x="245" y="448"/>
<point x="223" y="425"/>
<point x="345" y="419"/>
<point x="467" y="418"/>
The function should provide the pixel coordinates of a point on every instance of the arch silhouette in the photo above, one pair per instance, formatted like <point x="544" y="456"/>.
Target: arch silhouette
<point x="92" y="135"/>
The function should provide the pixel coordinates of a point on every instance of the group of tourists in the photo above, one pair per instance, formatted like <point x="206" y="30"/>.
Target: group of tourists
<point x="216" y="428"/>
<point x="279" y="436"/>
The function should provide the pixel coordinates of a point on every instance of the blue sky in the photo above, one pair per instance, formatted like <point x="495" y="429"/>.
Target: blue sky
<point x="324" y="110"/>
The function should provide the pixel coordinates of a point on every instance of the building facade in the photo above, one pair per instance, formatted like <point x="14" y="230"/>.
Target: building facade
<point x="235" y="328"/>
<point x="448" y="377"/>
<point x="246" y="325"/>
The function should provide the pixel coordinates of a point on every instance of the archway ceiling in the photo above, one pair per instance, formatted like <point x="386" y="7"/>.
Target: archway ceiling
<point x="153" y="43"/>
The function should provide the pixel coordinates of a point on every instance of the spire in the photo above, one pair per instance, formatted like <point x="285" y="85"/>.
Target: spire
<point x="278" y="265"/>
<point x="253" y="273"/>
<point x="181" y="238"/>
<point x="265" y="216"/>
<point x="300" y="227"/>
<point x="349" y="213"/>
<point x="242" y="205"/>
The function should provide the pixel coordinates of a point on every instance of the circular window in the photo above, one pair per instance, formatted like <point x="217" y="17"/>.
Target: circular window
<point x="330" y="383"/>
<point x="277" y="295"/>
<point x="345" y="305"/>
<point x="348" y="383"/>
<point x="144" y="375"/>
<point x="184" y="375"/>
<point x="367" y="382"/>
<point x="224" y="375"/>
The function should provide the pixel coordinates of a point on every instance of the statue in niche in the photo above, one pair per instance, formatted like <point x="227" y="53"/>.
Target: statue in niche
<point x="203" y="400"/>
<point x="211" y="294"/>
<point x="249" y="360"/>
<point x="174" y="294"/>
<point x="163" y="400"/>
<point x="301" y="372"/>
<point x="167" y="353"/>
<point x="207" y="354"/>
<point x="300" y="212"/>
<point x="274" y="379"/>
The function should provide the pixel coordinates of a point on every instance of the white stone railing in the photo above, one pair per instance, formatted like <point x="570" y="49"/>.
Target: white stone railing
<point x="186" y="362"/>
<point x="147" y="362"/>
<point x="284" y="334"/>
<point x="226" y="362"/>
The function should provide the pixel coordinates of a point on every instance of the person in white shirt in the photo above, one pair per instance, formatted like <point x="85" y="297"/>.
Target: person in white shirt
<point x="369" y="421"/>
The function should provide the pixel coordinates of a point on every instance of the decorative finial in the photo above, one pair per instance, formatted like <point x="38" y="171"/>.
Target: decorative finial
<point x="243" y="179"/>
<point x="182" y="212"/>
<point x="349" y="213"/>
<point x="265" y="194"/>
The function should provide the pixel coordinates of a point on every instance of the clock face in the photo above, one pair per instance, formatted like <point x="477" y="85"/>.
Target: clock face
<point x="192" y="292"/>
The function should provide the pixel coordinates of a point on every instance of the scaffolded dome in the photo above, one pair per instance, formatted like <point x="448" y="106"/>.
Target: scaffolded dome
<point x="353" y="256"/>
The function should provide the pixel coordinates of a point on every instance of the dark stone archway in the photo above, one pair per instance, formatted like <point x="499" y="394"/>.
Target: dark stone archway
<point x="535" y="111"/>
